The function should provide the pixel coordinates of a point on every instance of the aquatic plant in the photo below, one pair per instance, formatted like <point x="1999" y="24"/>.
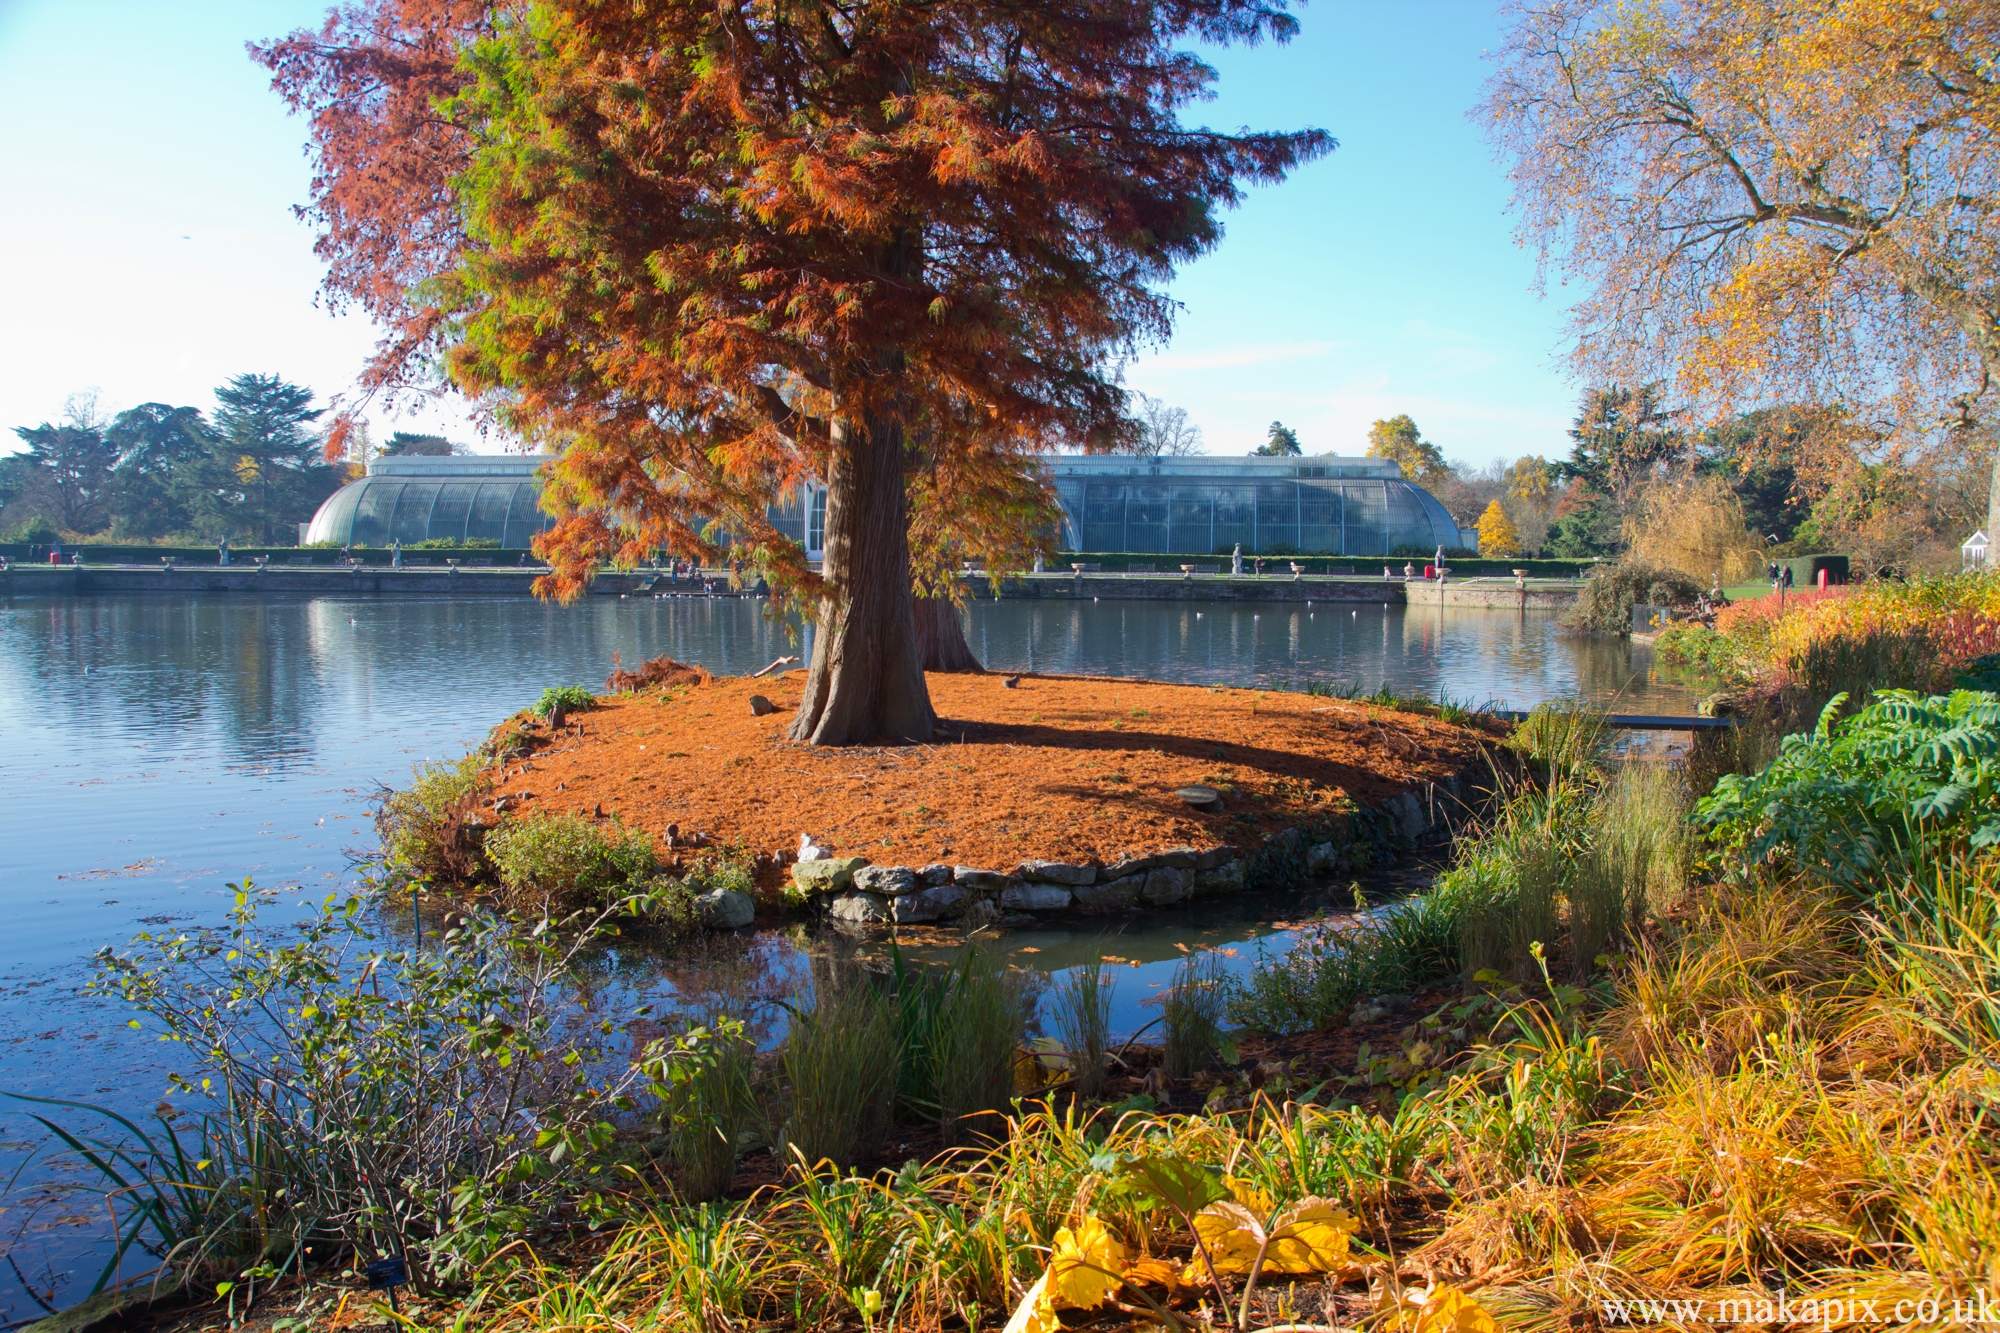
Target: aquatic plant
<point x="1565" y="737"/>
<point x="841" y="1060"/>
<point x="975" y="1030"/>
<point x="1192" y="1010"/>
<point x="1080" y="1013"/>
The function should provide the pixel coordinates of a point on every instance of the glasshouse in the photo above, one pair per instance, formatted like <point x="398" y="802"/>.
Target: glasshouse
<point x="1198" y="505"/>
<point x="478" y="497"/>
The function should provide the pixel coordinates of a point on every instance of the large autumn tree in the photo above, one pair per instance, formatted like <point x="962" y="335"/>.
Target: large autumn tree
<point x="708" y="250"/>
<point x="1770" y="201"/>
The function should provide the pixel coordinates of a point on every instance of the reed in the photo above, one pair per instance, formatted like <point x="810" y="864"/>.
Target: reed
<point x="972" y="1043"/>
<point x="1193" y="1010"/>
<point x="1080" y="1011"/>
<point x="841" y="1060"/>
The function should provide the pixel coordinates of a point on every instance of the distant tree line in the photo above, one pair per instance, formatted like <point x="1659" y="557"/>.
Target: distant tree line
<point x="1796" y="478"/>
<point x="251" y="471"/>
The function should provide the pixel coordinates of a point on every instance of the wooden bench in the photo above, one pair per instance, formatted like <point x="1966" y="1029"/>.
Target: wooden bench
<point x="1139" y="569"/>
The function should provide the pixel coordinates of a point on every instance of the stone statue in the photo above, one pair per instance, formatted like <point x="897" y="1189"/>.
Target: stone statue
<point x="1236" y="561"/>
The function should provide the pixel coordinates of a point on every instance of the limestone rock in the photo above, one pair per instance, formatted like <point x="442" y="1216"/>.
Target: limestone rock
<point x="825" y="876"/>
<point x="1321" y="856"/>
<point x="1031" y="897"/>
<point x="1164" y="886"/>
<point x="1107" y="897"/>
<point x="1180" y="858"/>
<point x="1058" y="872"/>
<point x="934" y="875"/>
<point x="974" y="880"/>
<point x="853" y="906"/>
<point x="1222" y="879"/>
<point x="725" y="909"/>
<point x="941" y="901"/>
<point x="1215" y="856"/>
<point x="1406" y="814"/>
<point x="760" y="706"/>
<point x="1128" y="865"/>
<point x="889" y="880"/>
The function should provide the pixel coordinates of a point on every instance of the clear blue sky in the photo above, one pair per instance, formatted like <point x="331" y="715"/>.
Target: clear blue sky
<point x="147" y="175"/>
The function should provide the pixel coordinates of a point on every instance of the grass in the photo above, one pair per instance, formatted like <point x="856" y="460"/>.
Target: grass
<point x="841" y="1060"/>
<point x="1080" y="1012"/>
<point x="567" y="859"/>
<point x="1192" y="1011"/>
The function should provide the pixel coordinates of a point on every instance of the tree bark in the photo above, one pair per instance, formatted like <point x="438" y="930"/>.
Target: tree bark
<point x="941" y="644"/>
<point x="866" y="681"/>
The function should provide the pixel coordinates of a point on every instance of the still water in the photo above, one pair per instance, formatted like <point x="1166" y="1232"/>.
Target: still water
<point x="154" y="750"/>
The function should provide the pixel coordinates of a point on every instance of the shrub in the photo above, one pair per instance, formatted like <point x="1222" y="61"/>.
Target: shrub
<point x="455" y="544"/>
<point x="430" y="830"/>
<point x="571" y="860"/>
<point x="841" y="1061"/>
<point x="1604" y="604"/>
<point x="1861" y="798"/>
<point x="393" y="1101"/>
<point x="569" y="698"/>
<point x="703" y="1082"/>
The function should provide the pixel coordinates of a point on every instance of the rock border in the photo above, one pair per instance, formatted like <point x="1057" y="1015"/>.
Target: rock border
<point x="854" y="893"/>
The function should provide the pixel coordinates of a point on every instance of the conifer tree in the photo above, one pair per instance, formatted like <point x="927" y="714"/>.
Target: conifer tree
<point x="709" y="251"/>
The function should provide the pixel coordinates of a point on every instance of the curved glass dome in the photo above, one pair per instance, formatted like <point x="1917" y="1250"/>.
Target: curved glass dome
<point x="1206" y="505"/>
<point x="410" y="500"/>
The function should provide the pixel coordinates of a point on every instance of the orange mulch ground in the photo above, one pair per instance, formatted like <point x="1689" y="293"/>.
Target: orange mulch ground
<point x="1058" y="768"/>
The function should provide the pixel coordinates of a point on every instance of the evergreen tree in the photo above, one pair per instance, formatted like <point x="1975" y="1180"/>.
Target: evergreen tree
<point x="265" y="472"/>
<point x="161" y="452"/>
<point x="1282" y="443"/>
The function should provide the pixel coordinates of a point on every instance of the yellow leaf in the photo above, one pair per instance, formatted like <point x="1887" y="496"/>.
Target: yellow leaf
<point x="1152" y="1273"/>
<point x="1086" y="1266"/>
<point x="1309" y="1237"/>
<point x="1450" y="1310"/>
<point x="1231" y="1234"/>
<point x="1035" y="1313"/>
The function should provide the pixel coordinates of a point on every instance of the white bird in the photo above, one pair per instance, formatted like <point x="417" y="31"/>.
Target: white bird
<point x="810" y="850"/>
<point x="350" y="620"/>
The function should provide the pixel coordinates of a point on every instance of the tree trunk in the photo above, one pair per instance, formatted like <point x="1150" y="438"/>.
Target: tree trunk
<point x="866" y="682"/>
<point x="941" y="644"/>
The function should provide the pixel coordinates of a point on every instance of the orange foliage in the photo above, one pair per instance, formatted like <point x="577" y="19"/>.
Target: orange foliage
<point x="1756" y="191"/>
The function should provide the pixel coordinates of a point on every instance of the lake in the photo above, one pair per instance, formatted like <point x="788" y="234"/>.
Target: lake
<point x="154" y="750"/>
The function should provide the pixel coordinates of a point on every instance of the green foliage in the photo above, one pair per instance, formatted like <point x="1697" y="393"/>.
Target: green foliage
<point x="1604" y="604"/>
<point x="1705" y="650"/>
<point x="393" y="1101"/>
<point x="455" y="544"/>
<point x="1566" y="738"/>
<point x="1192" y="1010"/>
<point x="1080" y="1010"/>
<point x="429" y="830"/>
<point x="841" y="1061"/>
<point x="568" y="859"/>
<point x="968" y="1058"/>
<point x="703" y="1082"/>
<point x="569" y="698"/>
<point x="34" y="530"/>
<point x="1283" y="442"/>
<point x="1862" y="798"/>
<point x="1981" y="673"/>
